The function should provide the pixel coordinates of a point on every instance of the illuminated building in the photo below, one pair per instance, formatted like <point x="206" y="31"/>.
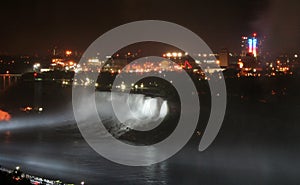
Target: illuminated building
<point x="244" y="46"/>
<point x="224" y="58"/>
<point x="251" y="45"/>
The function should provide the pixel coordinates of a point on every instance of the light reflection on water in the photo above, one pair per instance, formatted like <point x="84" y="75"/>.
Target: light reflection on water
<point x="7" y="137"/>
<point x="51" y="145"/>
<point x="63" y="154"/>
<point x="57" y="150"/>
<point x="54" y="156"/>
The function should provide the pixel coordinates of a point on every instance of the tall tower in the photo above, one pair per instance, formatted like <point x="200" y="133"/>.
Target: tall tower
<point x="244" y="46"/>
<point x="224" y="58"/>
<point x="250" y="45"/>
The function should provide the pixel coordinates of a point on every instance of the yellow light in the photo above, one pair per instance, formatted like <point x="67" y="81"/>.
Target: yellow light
<point x="241" y="65"/>
<point x="68" y="52"/>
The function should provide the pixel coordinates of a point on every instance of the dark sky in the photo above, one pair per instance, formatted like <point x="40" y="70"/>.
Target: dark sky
<point x="29" y="27"/>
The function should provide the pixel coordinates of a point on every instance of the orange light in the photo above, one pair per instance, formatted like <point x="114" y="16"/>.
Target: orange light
<point x="68" y="52"/>
<point x="241" y="65"/>
<point x="28" y="108"/>
<point x="4" y="116"/>
<point x="169" y="55"/>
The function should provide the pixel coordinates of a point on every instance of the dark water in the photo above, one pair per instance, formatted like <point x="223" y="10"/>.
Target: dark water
<point x="60" y="153"/>
<point x="259" y="143"/>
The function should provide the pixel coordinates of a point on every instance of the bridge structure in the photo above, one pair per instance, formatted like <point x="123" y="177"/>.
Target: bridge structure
<point x="6" y="80"/>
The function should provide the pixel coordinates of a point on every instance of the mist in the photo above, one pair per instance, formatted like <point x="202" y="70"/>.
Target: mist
<point x="130" y="111"/>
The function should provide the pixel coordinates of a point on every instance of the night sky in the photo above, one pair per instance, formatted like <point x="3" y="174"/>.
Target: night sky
<point x="33" y="27"/>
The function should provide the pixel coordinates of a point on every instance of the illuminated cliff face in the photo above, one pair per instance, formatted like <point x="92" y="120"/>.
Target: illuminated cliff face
<point x="4" y="116"/>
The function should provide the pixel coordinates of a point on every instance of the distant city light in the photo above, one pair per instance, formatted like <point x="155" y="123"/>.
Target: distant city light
<point x="250" y="45"/>
<point x="37" y="65"/>
<point x="254" y="47"/>
<point x="123" y="86"/>
<point x="173" y="54"/>
<point x="68" y="52"/>
<point x="93" y="60"/>
<point x="241" y="65"/>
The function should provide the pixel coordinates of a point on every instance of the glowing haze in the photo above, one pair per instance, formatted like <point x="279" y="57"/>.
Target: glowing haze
<point x="4" y="116"/>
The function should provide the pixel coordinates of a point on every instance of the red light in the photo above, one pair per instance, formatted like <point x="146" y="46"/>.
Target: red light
<point x="35" y="74"/>
<point x="187" y="65"/>
<point x="254" y="34"/>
